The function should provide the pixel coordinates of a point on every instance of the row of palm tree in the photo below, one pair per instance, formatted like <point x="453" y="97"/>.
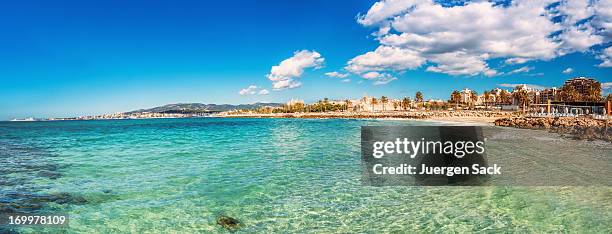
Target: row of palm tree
<point x="567" y="93"/>
<point x="404" y="104"/>
<point x="570" y="94"/>
<point x="324" y="105"/>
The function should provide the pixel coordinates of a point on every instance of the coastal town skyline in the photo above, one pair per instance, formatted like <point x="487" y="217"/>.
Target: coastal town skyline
<point x="578" y="90"/>
<point x="95" y="61"/>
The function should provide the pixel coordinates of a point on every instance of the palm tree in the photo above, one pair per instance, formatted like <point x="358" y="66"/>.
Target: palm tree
<point x="503" y="96"/>
<point x="487" y="96"/>
<point x="384" y="101"/>
<point x="523" y="98"/>
<point x="373" y="102"/>
<point x="320" y="105"/>
<point x="298" y="107"/>
<point x="405" y="103"/>
<point x="418" y="97"/>
<point x="569" y="94"/>
<point x="594" y="92"/>
<point x="365" y="101"/>
<point x="395" y="106"/>
<point x="347" y="103"/>
<point x="607" y="99"/>
<point x="325" y="102"/>
<point x="473" y="97"/>
<point x="456" y="98"/>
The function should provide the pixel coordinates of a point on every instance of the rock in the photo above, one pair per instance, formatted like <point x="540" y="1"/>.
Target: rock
<point x="49" y="174"/>
<point x="228" y="223"/>
<point x="578" y="128"/>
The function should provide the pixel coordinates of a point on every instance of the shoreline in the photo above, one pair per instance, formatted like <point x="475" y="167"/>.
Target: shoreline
<point x="488" y="120"/>
<point x="480" y="120"/>
<point x="486" y="117"/>
<point x="580" y="128"/>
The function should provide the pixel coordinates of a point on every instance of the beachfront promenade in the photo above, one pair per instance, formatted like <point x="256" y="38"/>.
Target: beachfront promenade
<point x="487" y="116"/>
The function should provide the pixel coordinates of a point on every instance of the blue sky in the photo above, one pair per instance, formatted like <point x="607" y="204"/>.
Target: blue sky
<point x="70" y="58"/>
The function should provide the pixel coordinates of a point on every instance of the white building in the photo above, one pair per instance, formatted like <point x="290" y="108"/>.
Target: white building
<point x="293" y="102"/>
<point x="466" y="95"/>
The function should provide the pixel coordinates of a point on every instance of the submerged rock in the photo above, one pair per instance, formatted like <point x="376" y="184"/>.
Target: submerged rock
<point x="228" y="223"/>
<point x="59" y="198"/>
<point x="49" y="174"/>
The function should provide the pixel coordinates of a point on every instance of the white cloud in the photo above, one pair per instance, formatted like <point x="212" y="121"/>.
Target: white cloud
<point x="603" y="17"/>
<point x="460" y="63"/>
<point x="378" y="78"/>
<point x="383" y="10"/>
<point x="385" y="58"/>
<point x="248" y="91"/>
<point x="479" y="28"/>
<point x="606" y="87"/>
<point x="520" y="70"/>
<point x="285" y="75"/>
<point x="371" y="75"/>
<point x="337" y="74"/>
<point x="528" y="85"/>
<point x="459" y="40"/>
<point x="575" y="10"/>
<point x="384" y="80"/>
<point x="516" y="60"/>
<point x="580" y="39"/>
<point x="251" y="90"/>
<point x="568" y="70"/>
<point x="585" y="23"/>
<point x="606" y="57"/>
<point x="535" y="74"/>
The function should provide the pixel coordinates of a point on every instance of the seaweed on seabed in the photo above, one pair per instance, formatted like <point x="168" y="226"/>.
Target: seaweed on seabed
<point x="7" y="230"/>
<point x="24" y="202"/>
<point x="229" y="223"/>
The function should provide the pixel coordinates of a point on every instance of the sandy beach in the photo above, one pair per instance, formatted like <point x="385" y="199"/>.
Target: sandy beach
<point x="467" y="120"/>
<point x="476" y="117"/>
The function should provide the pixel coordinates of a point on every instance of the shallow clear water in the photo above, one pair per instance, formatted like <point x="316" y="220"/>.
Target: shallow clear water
<point x="274" y="175"/>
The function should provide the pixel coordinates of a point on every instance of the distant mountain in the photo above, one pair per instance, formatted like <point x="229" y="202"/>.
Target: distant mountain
<point x="203" y="108"/>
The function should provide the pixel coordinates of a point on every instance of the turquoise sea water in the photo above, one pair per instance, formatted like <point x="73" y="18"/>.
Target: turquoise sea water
<point x="273" y="175"/>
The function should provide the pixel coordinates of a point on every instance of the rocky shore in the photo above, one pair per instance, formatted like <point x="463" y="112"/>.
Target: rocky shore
<point x="577" y="128"/>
